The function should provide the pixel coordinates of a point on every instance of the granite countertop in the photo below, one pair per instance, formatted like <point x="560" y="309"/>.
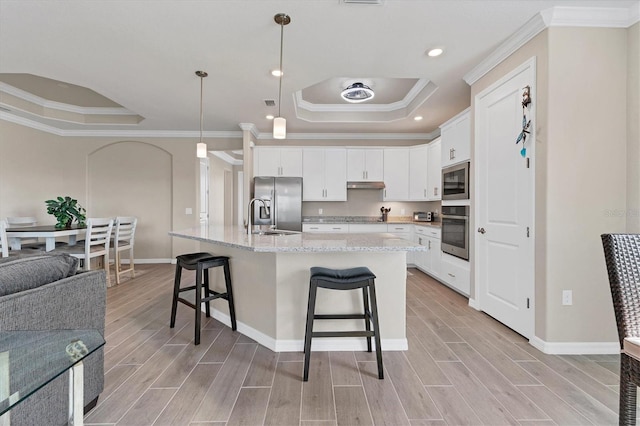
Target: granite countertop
<point x="234" y="236"/>
<point x="367" y="220"/>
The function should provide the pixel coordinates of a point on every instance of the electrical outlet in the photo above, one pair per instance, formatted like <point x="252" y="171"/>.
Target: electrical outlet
<point x="319" y="211"/>
<point x="188" y="210"/>
<point x="567" y="297"/>
<point x="402" y="212"/>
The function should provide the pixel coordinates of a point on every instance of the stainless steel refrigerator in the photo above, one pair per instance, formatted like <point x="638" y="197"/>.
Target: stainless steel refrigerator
<point x="284" y="205"/>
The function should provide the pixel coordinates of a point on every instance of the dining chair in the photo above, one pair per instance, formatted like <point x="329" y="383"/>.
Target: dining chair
<point x="123" y="240"/>
<point x="23" y="222"/>
<point x="95" y="244"/>
<point x="4" y="241"/>
<point x="622" y="257"/>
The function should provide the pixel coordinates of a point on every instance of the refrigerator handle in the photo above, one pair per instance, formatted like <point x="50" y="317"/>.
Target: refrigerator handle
<point x="274" y="210"/>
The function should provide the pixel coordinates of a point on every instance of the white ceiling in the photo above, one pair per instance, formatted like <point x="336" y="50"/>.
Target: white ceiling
<point x="142" y="55"/>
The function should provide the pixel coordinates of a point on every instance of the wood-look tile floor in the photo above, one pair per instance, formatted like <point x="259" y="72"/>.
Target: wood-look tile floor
<point x="462" y="367"/>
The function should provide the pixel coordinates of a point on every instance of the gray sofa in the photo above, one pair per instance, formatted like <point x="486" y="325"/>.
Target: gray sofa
<point x="45" y="292"/>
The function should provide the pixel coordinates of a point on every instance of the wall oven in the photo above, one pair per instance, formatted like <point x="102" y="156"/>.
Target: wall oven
<point x="455" y="182"/>
<point x="455" y="231"/>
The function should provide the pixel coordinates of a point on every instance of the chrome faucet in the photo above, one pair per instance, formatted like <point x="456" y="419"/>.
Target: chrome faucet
<point x="253" y="200"/>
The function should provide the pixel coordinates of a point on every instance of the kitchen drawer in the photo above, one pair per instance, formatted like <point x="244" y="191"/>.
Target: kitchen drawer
<point x="456" y="273"/>
<point x="396" y="229"/>
<point x="325" y="227"/>
<point x="367" y="227"/>
<point x="429" y="231"/>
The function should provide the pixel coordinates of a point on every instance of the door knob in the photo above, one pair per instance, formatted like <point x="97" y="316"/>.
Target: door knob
<point x="481" y="230"/>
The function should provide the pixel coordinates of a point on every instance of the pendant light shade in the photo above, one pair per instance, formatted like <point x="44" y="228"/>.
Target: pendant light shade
<point x="279" y="123"/>
<point x="201" y="148"/>
<point x="279" y="128"/>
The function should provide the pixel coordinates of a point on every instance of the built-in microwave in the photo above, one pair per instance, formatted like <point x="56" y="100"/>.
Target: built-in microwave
<point x="455" y="182"/>
<point x="455" y="231"/>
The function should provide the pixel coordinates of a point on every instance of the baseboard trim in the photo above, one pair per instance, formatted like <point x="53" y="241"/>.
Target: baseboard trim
<point x="473" y="303"/>
<point x="324" y="344"/>
<point x="575" y="348"/>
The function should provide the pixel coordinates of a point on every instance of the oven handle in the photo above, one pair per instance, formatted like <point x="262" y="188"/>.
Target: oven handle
<point x="454" y="217"/>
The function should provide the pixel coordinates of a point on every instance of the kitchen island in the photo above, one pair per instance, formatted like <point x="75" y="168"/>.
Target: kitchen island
<point x="270" y="276"/>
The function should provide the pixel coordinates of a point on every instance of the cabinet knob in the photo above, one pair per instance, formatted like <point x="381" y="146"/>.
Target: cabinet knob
<point x="481" y="230"/>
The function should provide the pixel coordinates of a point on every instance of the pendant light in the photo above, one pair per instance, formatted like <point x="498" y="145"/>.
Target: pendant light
<point x="279" y="123"/>
<point x="201" y="148"/>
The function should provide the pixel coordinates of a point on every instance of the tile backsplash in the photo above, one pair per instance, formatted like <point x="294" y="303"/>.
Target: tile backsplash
<point x="366" y="202"/>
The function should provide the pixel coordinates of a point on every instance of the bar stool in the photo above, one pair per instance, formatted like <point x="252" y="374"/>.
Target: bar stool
<point x="343" y="279"/>
<point x="201" y="262"/>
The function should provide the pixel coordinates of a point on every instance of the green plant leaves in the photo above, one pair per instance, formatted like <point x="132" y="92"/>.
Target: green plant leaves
<point x="66" y="210"/>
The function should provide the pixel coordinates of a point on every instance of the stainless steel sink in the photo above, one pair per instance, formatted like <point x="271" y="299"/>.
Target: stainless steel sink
<point x="276" y="232"/>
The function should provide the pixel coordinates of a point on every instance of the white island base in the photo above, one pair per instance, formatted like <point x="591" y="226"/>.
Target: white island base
<point x="271" y="292"/>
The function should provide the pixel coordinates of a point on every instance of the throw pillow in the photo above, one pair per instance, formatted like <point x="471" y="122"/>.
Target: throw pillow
<point x="26" y="272"/>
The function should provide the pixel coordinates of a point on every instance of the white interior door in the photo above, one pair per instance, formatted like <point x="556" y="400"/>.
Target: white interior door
<point x="505" y="203"/>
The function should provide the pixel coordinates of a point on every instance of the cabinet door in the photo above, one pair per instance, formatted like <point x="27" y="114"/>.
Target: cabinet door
<point x="434" y="171"/>
<point x="435" y="255"/>
<point x="456" y="140"/>
<point x="335" y="174"/>
<point x="420" y="257"/>
<point x="396" y="174"/>
<point x="374" y="161"/>
<point x="291" y="162"/>
<point x="418" y="171"/>
<point x="355" y="165"/>
<point x="267" y="162"/>
<point x="313" y="174"/>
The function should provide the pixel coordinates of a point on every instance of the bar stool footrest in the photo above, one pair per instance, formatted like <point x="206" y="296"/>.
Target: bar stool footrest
<point x="341" y="316"/>
<point x="355" y="333"/>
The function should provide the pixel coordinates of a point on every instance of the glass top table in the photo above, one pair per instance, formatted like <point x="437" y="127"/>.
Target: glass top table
<point x="31" y="359"/>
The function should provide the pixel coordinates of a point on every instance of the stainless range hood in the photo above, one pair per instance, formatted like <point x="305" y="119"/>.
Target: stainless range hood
<point x="365" y="185"/>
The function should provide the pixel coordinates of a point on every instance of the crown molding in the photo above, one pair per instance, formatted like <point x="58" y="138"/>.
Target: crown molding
<point x="394" y="106"/>
<point x="45" y="103"/>
<point x="554" y="17"/>
<point x="211" y="135"/>
<point x="250" y="127"/>
<point x="227" y="158"/>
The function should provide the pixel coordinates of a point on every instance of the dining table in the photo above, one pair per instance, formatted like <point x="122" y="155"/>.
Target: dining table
<point x="48" y="232"/>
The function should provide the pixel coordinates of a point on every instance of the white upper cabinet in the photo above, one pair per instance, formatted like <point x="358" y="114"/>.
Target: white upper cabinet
<point x="365" y="164"/>
<point x="277" y="161"/>
<point x="418" y="173"/>
<point x="455" y="135"/>
<point x="324" y="174"/>
<point x="396" y="174"/>
<point x="434" y="174"/>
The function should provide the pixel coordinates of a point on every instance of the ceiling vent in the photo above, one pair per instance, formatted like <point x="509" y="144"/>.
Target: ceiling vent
<point x="269" y="102"/>
<point x="363" y="1"/>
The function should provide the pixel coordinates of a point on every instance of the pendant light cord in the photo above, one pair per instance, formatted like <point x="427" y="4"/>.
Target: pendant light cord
<point x="201" y="114"/>
<point x="281" y="71"/>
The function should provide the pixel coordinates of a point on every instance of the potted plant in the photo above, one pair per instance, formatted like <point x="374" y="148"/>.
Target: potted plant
<point x="66" y="210"/>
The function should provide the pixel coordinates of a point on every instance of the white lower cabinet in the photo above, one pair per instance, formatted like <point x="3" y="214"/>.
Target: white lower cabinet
<point x="406" y="233"/>
<point x="456" y="273"/>
<point x="325" y="227"/>
<point x="428" y="261"/>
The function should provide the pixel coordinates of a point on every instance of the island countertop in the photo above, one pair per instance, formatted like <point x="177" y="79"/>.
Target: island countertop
<point x="236" y="237"/>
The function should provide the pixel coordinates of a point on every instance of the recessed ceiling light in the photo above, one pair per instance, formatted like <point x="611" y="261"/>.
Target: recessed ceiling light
<point x="276" y="73"/>
<point x="435" y="52"/>
<point x="269" y="117"/>
<point x="417" y="117"/>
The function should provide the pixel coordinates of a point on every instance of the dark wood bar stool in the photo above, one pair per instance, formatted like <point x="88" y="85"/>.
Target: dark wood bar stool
<point x="343" y="279"/>
<point x="201" y="262"/>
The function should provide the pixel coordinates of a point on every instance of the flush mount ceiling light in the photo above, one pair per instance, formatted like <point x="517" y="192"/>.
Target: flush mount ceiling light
<point x="357" y="92"/>
<point x="417" y="117"/>
<point x="201" y="148"/>
<point x="279" y="123"/>
<point x="276" y="73"/>
<point x="435" y="52"/>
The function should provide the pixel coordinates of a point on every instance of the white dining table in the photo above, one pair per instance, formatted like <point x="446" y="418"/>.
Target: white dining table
<point x="48" y="232"/>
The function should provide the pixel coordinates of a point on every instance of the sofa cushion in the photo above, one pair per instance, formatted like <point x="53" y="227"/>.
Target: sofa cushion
<point x="30" y="271"/>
